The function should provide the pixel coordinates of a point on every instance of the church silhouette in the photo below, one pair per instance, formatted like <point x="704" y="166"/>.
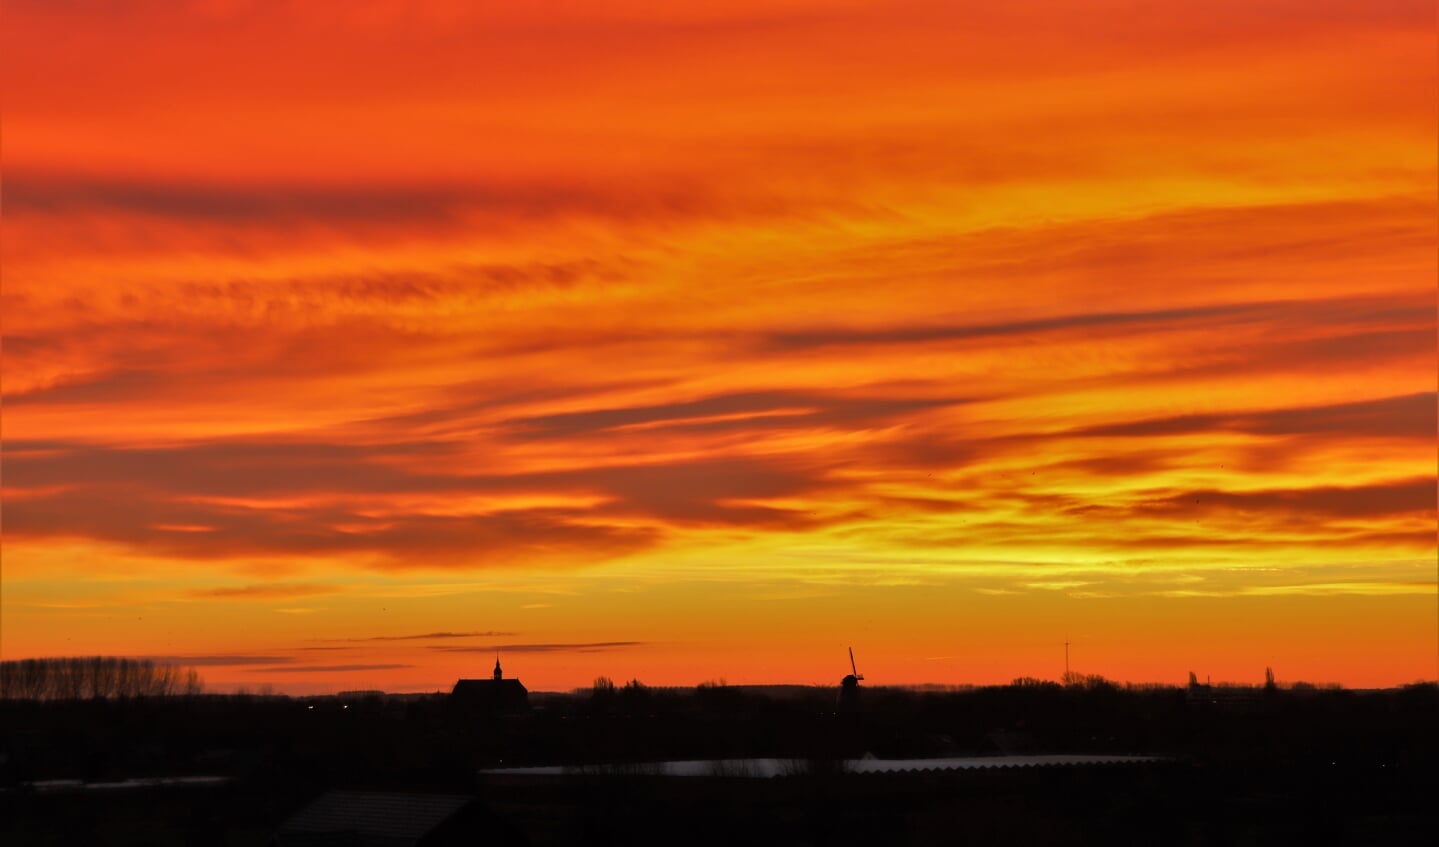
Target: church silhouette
<point x="491" y="695"/>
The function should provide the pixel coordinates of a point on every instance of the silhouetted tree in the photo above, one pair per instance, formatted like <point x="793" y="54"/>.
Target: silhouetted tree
<point x="1032" y="682"/>
<point x="1091" y="682"/>
<point x="635" y="695"/>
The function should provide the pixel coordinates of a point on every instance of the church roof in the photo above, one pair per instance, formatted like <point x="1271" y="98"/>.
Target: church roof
<point x="487" y="685"/>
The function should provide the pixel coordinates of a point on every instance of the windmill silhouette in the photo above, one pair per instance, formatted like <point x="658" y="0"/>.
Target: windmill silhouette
<point x="849" y="686"/>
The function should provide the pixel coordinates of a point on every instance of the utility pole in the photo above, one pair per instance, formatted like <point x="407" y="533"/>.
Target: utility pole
<point x="1066" y="660"/>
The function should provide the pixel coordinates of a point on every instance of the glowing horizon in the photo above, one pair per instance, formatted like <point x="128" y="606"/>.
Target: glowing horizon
<point x="344" y="345"/>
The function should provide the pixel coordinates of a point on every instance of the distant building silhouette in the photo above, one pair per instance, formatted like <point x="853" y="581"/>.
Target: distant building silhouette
<point x="1223" y="695"/>
<point x="496" y="694"/>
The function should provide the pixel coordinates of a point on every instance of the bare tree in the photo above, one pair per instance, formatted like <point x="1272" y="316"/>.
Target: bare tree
<point x="94" y="678"/>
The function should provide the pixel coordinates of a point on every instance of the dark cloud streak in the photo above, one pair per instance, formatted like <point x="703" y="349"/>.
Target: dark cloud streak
<point x="1357" y="311"/>
<point x="1370" y="501"/>
<point x="758" y="409"/>
<point x="582" y="647"/>
<point x="217" y="661"/>
<point x="1407" y="416"/>
<point x="327" y="668"/>
<point x="431" y="635"/>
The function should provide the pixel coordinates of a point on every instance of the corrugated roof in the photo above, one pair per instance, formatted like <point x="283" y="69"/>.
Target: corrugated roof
<point x="863" y="766"/>
<point x="769" y="768"/>
<point x="376" y="817"/>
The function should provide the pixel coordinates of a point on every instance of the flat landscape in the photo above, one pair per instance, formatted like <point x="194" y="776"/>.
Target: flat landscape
<point x="1088" y="764"/>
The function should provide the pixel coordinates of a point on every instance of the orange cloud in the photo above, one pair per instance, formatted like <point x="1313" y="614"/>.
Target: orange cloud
<point x="267" y="592"/>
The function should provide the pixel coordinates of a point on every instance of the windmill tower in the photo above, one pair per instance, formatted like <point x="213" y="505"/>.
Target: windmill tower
<point x="849" y="686"/>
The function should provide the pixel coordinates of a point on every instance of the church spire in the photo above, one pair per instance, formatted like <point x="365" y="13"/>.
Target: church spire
<point x="498" y="674"/>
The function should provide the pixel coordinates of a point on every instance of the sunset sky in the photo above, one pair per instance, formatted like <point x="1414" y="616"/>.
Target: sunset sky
<point x="346" y="344"/>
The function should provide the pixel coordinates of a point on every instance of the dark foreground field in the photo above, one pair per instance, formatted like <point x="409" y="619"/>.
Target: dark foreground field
<point x="1242" y="767"/>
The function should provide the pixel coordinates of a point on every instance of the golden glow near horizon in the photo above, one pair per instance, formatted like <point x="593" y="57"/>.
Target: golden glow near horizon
<point x="347" y="343"/>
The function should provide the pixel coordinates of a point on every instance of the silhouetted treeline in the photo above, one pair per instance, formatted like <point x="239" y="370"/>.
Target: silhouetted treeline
<point x="429" y="737"/>
<point x="94" y="678"/>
